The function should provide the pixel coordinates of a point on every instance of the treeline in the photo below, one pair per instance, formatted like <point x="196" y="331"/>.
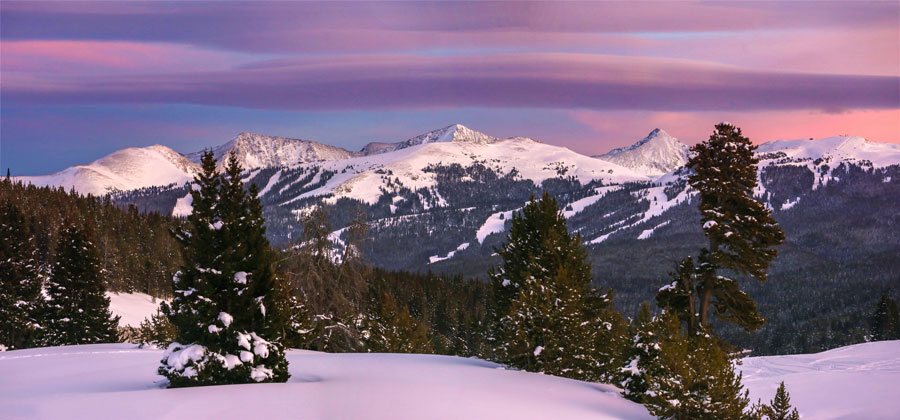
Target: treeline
<point x="137" y="251"/>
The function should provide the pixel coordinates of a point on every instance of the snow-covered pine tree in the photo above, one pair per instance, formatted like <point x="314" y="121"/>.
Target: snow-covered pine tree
<point x="20" y="281"/>
<point x="741" y="231"/>
<point x="77" y="306"/>
<point x="224" y="289"/>
<point x="644" y="347"/>
<point x="685" y="376"/>
<point x="547" y="316"/>
<point x="886" y="320"/>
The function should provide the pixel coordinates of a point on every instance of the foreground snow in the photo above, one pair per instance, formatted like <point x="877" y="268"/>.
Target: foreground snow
<point x="118" y="381"/>
<point x="854" y="382"/>
<point x="115" y="381"/>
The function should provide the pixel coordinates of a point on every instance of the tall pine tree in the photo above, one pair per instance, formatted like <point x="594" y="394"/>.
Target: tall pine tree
<point x="77" y="306"/>
<point x="741" y="232"/>
<point x="226" y="300"/>
<point x="20" y="281"/>
<point x="547" y="316"/>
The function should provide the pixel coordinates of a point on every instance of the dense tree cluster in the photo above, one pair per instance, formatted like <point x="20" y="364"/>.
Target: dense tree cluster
<point x="20" y="281"/>
<point x="137" y="251"/>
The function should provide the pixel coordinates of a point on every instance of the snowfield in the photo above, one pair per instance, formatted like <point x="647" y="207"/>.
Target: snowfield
<point x="133" y="308"/>
<point x="854" y="382"/>
<point x="119" y="381"/>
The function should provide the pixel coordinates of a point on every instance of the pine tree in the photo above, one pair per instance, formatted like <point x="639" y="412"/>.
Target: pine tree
<point x="77" y="306"/>
<point x="20" y="281"/>
<point x="742" y="233"/>
<point x="886" y="320"/>
<point x="547" y="316"/>
<point x="225" y="305"/>
<point x="780" y="407"/>
<point x="644" y="347"/>
<point x="685" y="377"/>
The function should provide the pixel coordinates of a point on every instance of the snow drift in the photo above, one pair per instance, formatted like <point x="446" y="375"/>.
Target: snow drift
<point x="119" y="381"/>
<point x="116" y="381"/>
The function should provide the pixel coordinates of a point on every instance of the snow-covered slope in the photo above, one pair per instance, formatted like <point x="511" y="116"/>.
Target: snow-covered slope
<point x="132" y="307"/>
<point x="364" y="177"/>
<point x="119" y="381"/>
<point x="832" y="149"/>
<point x="125" y="169"/>
<point x="652" y="156"/>
<point x="115" y="381"/>
<point x="258" y="151"/>
<point x="847" y="383"/>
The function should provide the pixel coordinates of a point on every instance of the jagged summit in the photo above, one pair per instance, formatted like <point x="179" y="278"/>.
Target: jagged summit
<point x="653" y="156"/>
<point x="452" y="133"/>
<point x="258" y="151"/>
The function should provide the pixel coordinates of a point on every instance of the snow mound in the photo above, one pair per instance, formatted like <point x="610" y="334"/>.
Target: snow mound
<point x="853" y="382"/>
<point x="116" y="381"/>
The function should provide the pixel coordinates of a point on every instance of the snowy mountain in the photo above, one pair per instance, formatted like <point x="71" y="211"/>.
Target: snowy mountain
<point x="365" y="178"/>
<point x="125" y="169"/>
<point x="455" y="133"/>
<point x="652" y="156"/>
<point x="258" y="151"/>
<point x="830" y="150"/>
<point x="114" y="381"/>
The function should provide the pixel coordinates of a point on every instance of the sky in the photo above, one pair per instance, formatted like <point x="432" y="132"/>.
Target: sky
<point x="79" y="80"/>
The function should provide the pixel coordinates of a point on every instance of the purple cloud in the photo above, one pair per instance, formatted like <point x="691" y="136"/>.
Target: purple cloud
<point x="534" y="80"/>
<point x="316" y="27"/>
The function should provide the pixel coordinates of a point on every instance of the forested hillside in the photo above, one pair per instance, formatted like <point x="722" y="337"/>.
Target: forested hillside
<point x="137" y="249"/>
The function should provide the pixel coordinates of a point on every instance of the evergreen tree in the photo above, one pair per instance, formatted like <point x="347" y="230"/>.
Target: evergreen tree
<point x="780" y="407"/>
<point x="685" y="377"/>
<point x="20" y="281"/>
<point x="155" y="330"/>
<point x="886" y="320"/>
<point x="741" y="232"/>
<point x="225" y="309"/>
<point x="644" y="347"/>
<point x="547" y="316"/>
<point x="77" y="306"/>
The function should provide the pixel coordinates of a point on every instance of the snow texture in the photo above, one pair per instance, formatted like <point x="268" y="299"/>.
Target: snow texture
<point x="853" y="382"/>
<point x="117" y="381"/>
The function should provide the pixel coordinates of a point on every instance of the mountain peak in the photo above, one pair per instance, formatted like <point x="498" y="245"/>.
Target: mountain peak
<point x="654" y="155"/>
<point x="455" y="133"/>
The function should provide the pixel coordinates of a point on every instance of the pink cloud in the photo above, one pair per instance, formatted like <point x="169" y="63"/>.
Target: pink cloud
<point x="71" y="58"/>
